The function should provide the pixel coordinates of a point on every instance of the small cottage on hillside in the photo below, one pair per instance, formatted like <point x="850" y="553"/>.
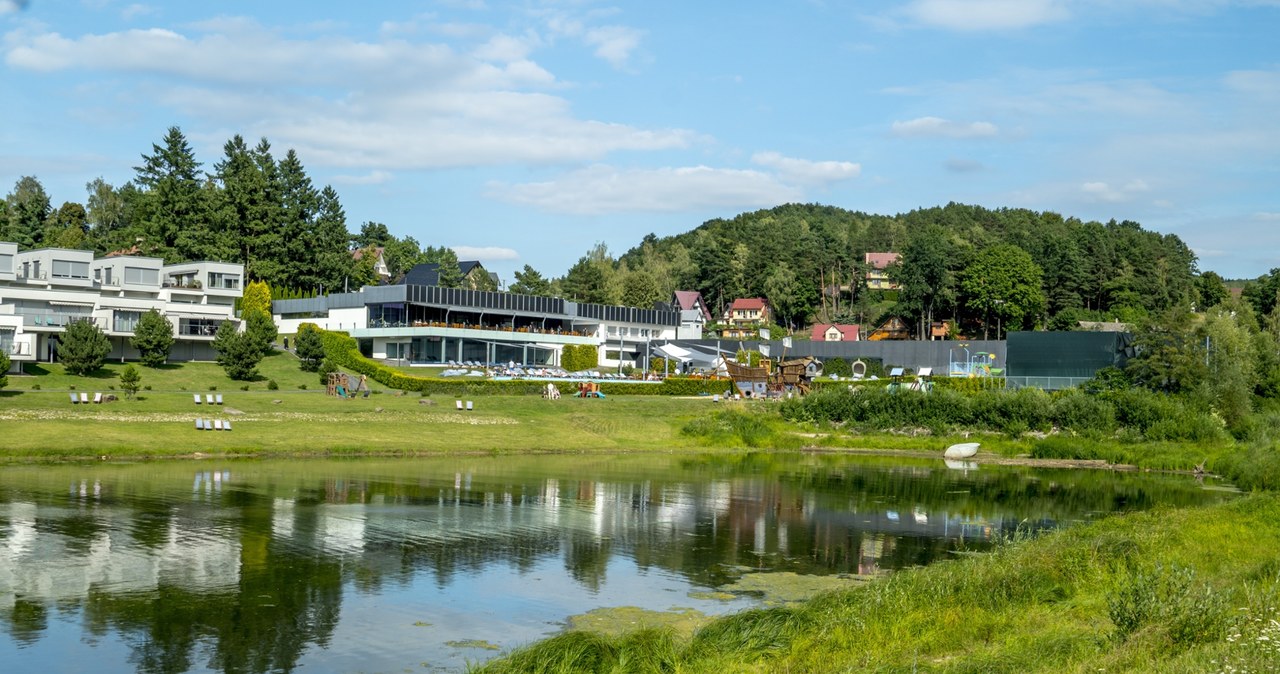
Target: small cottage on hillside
<point x="877" y="270"/>
<point x="834" y="332"/>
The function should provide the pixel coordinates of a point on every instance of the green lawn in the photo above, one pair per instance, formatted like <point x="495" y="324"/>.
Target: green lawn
<point x="40" y="421"/>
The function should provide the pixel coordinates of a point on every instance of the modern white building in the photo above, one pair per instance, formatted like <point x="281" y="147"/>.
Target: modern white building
<point x="43" y="290"/>
<point x="428" y="325"/>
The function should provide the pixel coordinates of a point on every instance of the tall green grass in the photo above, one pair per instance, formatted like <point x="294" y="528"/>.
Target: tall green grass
<point x="1163" y="591"/>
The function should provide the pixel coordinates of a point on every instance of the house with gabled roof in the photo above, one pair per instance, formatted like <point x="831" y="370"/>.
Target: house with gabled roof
<point x="877" y="270"/>
<point x="694" y="314"/>
<point x="894" y="328"/>
<point x="379" y="262"/>
<point x="745" y="317"/>
<point x="834" y="332"/>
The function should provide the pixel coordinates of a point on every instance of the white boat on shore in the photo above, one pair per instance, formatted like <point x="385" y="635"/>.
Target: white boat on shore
<point x="961" y="450"/>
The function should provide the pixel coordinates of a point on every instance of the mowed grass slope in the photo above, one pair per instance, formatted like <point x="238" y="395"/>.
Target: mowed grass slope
<point x="42" y="423"/>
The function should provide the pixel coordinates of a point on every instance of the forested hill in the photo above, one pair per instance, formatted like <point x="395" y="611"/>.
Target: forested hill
<point x="967" y="263"/>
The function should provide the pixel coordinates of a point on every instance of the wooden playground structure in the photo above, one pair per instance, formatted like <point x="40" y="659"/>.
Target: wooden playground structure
<point x="345" y="385"/>
<point x="775" y="380"/>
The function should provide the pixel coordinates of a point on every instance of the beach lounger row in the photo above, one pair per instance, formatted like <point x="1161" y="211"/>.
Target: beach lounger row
<point x="213" y="425"/>
<point x="460" y="406"/>
<point x="209" y="398"/>
<point x="78" y="398"/>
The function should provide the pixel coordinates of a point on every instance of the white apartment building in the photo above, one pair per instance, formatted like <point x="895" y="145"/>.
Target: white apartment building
<point x="43" y="290"/>
<point x="431" y="325"/>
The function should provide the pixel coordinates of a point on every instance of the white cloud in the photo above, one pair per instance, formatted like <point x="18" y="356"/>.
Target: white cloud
<point x="384" y="104"/>
<point x="1101" y="191"/>
<point x="10" y="6"/>
<point x="982" y="15"/>
<point x="371" y="178"/>
<point x="485" y="253"/>
<point x="807" y="172"/>
<point x="604" y="189"/>
<point x="1261" y="83"/>
<point x="936" y="127"/>
<point x="614" y="43"/>
<point x="136" y="10"/>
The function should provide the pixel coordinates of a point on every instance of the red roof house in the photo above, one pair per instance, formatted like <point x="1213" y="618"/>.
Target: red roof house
<point x="834" y="332"/>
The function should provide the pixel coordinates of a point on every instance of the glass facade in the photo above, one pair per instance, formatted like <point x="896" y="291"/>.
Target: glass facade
<point x="125" y="321"/>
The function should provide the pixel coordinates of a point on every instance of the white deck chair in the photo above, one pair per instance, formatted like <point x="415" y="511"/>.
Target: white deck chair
<point x="458" y="403"/>
<point x="218" y="398"/>
<point x="197" y="397"/>
<point x="97" y="397"/>
<point x="75" y="399"/>
<point x="226" y="425"/>
<point x="217" y="424"/>
<point x="208" y="398"/>
<point x="84" y="398"/>
<point x="469" y="407"/>
<point x="199" y="424"/>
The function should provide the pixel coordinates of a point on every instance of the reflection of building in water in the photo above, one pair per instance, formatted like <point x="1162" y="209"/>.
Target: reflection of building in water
<point x="45" y="559"/>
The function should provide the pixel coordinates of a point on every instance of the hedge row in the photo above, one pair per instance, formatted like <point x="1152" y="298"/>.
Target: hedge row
<point x="959" y="384"/>
<point x="341" y="350"/>
<point x="1131" y="414"/>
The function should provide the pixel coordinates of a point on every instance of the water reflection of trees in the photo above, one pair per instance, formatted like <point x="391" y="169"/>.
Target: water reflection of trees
<point x="297" y="542"/>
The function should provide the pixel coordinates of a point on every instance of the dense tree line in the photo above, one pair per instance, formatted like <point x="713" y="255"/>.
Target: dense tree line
<point x="251" y="208"/>
<point x="986" y="271"/>
<point x="977" y="267"/>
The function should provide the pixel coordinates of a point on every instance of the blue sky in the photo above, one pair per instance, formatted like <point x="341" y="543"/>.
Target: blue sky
<point x="524" y="132"/>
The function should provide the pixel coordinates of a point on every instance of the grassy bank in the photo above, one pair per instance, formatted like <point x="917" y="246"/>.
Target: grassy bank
<point x="285" y="412"/>
<point x="1191" y="590"/>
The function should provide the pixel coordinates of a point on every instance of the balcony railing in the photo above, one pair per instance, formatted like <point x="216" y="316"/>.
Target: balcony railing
<point x="59" y="320"/>
<point x="15" y="349"/>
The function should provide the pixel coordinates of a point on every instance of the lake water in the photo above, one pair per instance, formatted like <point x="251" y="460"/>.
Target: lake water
<point x="427" y="564"/>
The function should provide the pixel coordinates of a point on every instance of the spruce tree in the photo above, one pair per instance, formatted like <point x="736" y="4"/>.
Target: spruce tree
<point x="130" y="380"/>
<point x="237" y="354"/>
<point x="309" y="347"/>
<point x="153" y="337"/>
<point x="83" y="347"/>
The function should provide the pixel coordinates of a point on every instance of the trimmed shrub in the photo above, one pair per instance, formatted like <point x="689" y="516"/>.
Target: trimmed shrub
<point x="341" y="352"/>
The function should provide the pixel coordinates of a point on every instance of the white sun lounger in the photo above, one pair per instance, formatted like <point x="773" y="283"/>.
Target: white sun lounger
<point x="197" y="397"/>
<point x="75" y="399"/>
<point x="84" y="397"/>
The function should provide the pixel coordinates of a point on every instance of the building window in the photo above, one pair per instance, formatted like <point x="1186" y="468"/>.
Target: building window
<point x="223" y="281"/>
<point x="198" y="327"/>
<point x="139" y="276"/>
<point x="125" y="321"/>
<point x="70" y="270"/>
